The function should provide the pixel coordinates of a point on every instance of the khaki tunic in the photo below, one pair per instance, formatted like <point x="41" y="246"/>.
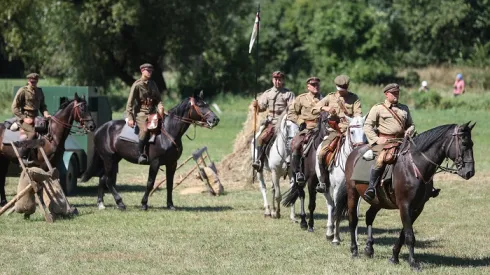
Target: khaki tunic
<point x="385" y="122"/>
<point x="351" y="103"/>
<point x="275" y="101"/>
<point x="143" y="99"/>
<point x="28" y="102"/>
<point x="300" y="110"/>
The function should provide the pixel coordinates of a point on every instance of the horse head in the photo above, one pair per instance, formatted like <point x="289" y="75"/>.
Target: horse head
<point x="461" y="153"/>
<point x="76" y="110"/>
<point x="201" y="113"/>
<point x="355" y="131"/>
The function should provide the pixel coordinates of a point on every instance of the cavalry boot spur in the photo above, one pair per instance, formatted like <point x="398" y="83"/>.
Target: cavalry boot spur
<point x="142" y="159"/>
<point x="371" y="191"/>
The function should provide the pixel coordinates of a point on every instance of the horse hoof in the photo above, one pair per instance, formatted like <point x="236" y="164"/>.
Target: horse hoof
<point x="336" y="243"/>
<point x="369" y="252"/>
<point x="311" y="230"/>
<point x="74" y="211"/>
<point x="121" y="207"/>
<point x="329" y="237"/>
<point x="393" y="261"/>
<point x="266" y="215"/>
<point x="275" y="216"/>
<point x="171" y="207"/>
<point x="354" y="255"/>
<point x="144" y="207"/>
<point x="303" y="226"/>
<point x="415" y="266"/>
<point x="101" y="206"/>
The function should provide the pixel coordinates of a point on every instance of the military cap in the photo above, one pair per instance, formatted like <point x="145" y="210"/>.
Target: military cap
<point x="146" y="66"/>
<point x="278" y="74"/>
<point x="33" y="76"/>
<point x="342" y="80"/>
<point x="393" y="87"/>
<point x="312" y="80"/>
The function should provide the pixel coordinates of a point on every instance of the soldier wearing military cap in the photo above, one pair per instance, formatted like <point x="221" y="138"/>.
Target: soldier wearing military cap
<point x="275" y="101"/>
<point x="27" y="103"/>
<point x="300" y="113"/>
<point x="144" y="99"/>
<point x="393" y="121"/>
<point x="339" y="105"/>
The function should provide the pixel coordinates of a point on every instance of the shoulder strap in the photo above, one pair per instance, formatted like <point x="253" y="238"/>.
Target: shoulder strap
<point x="274" y="103"/>
<point x="397" y="118"/>
<point x="342" y="106"/>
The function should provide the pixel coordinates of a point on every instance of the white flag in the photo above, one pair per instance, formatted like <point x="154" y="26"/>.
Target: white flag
<point x="254" y="32"/>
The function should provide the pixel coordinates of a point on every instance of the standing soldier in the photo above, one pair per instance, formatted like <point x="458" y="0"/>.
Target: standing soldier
<point x="144" y="99"/>
<point x="28" y="102"/>
<point x="338" y="105"/>
<point x="275" y="100"/>
<point x="300" y="113"/>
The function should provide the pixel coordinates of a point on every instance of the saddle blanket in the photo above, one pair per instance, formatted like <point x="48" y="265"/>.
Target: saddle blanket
<point x="131" y="134"/>
<point x="9" y="135"/>
<point x="362" y="171"/>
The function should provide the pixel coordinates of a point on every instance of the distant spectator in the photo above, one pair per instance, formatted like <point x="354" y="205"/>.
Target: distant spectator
<point x="424" y="87"/>
<point x="458" y="85"/>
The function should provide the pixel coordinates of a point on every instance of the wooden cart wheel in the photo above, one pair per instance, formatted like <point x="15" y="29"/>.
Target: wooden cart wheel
<point x="71" y="176"/>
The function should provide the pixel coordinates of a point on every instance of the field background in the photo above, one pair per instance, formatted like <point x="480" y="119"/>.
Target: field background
<point x="229" y="235"/>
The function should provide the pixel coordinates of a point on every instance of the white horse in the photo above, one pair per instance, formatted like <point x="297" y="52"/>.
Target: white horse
<point x="277" y="162"/>
<point x="354" y="137"/>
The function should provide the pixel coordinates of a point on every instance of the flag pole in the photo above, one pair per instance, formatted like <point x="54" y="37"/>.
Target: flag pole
<point x="256" y="86"/>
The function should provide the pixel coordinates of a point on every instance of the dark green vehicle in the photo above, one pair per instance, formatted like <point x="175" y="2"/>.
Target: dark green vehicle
<point x="78" y="147"/>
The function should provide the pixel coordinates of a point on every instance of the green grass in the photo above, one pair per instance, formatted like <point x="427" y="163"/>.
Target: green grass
<point x="229" y="235"/>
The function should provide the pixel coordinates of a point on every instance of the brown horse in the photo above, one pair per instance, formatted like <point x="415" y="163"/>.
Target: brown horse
<point x="418" y="160"/>
<point x="110" y="149"/>
<point x="53" y="142"/>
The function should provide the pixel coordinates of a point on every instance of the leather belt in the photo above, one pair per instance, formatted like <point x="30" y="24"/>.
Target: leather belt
<point x="389" y="136"/>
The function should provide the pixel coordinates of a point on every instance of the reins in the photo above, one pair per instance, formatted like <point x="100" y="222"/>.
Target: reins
<point x="77" y="117"/>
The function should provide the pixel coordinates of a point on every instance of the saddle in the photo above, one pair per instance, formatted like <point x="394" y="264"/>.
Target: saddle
<point x="332" y="150"/>
<point x="131" y="134"/>
<point x="308" y="141"/>
<point x="12" y="126"/>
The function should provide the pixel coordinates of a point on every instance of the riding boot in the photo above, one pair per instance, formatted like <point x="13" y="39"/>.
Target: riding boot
<point x="371" y="191"/>
<point x="142" y="159"/>
<point x="25" y="154"/>
<point x="296" y="164"/>
<point x="435" y="192"/>
<point x="324" y="182"/>
<point x="257" y="162"/>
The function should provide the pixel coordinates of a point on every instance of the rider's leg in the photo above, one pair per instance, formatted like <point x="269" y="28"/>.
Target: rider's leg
<point x="258" y="149"/>
<point x="297" y="145"/>
<point x="143" y="136"/>
<point x="324" y="181"/>
<point x="27" y="133"/>
<point x="376" y="172"/>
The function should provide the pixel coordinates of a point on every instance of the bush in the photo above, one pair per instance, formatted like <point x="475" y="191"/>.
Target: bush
<point x="427" y="100"/>
<point x="412" y="79"/>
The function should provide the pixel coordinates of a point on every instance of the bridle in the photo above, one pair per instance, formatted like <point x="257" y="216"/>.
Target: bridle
<point x="459" y="161"/>
<point x="351" y="143"/>
<point x="77" y="116"/>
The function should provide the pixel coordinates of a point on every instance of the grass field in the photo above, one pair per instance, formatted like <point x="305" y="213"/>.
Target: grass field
<point x="229" y="235"/>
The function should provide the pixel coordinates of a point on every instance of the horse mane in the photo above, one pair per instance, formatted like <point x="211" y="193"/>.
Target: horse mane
<point x="177" y="110"/>
<point x="429" y="137"/>
<point x="279" y="122"/>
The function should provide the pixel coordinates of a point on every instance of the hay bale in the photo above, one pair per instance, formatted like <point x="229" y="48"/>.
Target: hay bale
<point x="237" y="166"/>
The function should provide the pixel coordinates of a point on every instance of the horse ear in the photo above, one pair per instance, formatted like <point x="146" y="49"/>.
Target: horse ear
<point x="201" y="94"/>
<point x="76" y="96"/>
<point x="471" y="126"/>
<point x="349" y="120"/>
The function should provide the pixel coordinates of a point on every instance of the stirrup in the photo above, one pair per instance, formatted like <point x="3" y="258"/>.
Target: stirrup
<point x="256" y="164"/>
<point x="321" y="187"/>
<point x="300" y="177"/>
<point x="142" y="159"/>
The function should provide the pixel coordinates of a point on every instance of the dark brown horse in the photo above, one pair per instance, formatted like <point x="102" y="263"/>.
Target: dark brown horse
<point x="417" y="163"/>
<point x="311" y="178"/>
<point x="53" y="142"/>
<point x="166" y="150"/>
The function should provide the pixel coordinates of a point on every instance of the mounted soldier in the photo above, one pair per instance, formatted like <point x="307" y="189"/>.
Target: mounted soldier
<point x="392" y="121"/>
<point x="300" y="112"/>
<point x="274" y="100"/>
<point x="339" y="105"/>
<point x="144" y="100"/>
<point x="28" y="103"/>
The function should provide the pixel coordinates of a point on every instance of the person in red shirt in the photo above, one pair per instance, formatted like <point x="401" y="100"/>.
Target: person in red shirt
<point x="458" y="85"/>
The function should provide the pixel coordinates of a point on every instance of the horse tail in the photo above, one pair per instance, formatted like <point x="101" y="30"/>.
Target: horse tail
<point x="291" y="195"/>
<point x="95" y="167"/>
<point x="341" y="202"/>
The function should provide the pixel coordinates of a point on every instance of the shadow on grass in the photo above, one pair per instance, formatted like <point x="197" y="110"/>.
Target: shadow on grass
<point x="91" y="191"/>
<point x="436" y="259"/>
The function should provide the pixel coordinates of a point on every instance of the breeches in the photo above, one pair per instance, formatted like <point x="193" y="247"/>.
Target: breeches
<point x="324" y="146"/>
<point x="28" y="130"/>
<point x="266" y="134"/>
<point x="141" y="120"/>
<point x="378" y="153"/>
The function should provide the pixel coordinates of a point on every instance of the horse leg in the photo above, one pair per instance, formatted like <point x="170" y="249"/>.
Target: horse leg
<point x="276" y="195"/>
<point x="100" y="189"/>
<point x="111" y="176"/>
<point x="292" y="215"/>
<point x="302" y="213"/>
<point x="170" y="172"/>
<point x="263" y="190"/>
<point x="331" y="208"/>
<point x="312" y="203"/>
<point x="353" y="201"/>
<point x="152" y="174"/>
<point x="370" y="216"/>
<point x="4" y="166"/>
<point x="407" y="236"/>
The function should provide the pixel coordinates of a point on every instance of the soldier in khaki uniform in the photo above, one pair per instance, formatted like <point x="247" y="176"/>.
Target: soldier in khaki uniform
<point x="300" y="113"/>
<point x="393" y="120"/>
<point x="144" y="99"/>
<point x="275" y="100"/>
<point x="338" y="105"/>
<point x="28" y="102"/>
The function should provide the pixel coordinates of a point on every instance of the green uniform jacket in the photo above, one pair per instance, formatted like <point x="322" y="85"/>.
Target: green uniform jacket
<point x="143" y="98"/>
<point x="28" y="101"/>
